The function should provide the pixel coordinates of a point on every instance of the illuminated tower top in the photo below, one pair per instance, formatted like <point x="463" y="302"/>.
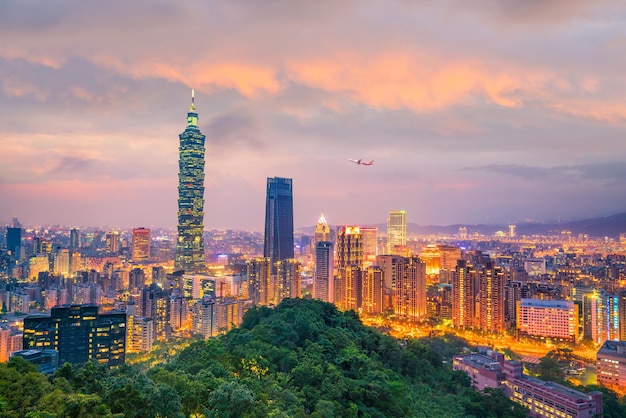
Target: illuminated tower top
<point x="192" y="115"/>
<point x="322" y="231"/>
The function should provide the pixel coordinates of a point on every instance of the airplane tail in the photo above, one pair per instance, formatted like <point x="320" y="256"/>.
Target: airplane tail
<point x="371" y="162"/>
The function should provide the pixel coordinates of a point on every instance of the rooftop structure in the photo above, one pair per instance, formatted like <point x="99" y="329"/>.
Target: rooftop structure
<point x="611" y="363"/>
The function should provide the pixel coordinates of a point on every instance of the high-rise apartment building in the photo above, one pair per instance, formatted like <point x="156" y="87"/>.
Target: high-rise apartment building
<point x="491" y="298"/>
<point x="259" y="280"/>
<point x="370" y="242"/>
<point x="190" y="244"/>
<point x="396" y="231"/>
<point x="373" y="287"/>
<point x="279" y="242"/>
<point x="288" y="279"/>
<point x="349" y="247"/>
<point x="409" y="294"/>
<point x="141" y="244"/>
<point x="622" y="315"/>
<point x="323" y="276"/>
<point x="464" y="295"/>
<point x="79" y="333"/>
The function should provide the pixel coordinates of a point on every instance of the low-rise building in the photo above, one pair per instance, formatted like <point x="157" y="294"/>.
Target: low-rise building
<point x="543" y="399"/>
<point x="611" y="364"/>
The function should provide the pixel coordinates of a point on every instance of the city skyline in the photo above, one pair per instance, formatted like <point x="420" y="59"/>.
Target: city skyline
<point x="488" y="114"/>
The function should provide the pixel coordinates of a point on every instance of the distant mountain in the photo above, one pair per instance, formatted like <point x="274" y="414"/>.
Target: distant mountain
<point x="608" y="226"/>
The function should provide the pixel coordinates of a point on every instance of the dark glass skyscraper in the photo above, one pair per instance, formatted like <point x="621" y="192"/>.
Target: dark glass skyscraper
<point x="190" y="244"/>
<point x="278" y="221"/>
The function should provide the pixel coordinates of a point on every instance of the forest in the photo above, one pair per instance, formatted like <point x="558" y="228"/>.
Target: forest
<point x="303" y="358"/>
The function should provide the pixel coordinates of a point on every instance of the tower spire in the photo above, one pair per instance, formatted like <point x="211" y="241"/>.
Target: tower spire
<point x="193" y="96"/>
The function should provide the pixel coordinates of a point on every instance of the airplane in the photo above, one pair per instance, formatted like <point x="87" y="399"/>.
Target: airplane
<point x="361" y="162"/>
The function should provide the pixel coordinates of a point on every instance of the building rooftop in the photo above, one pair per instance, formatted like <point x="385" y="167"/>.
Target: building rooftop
<point x="614" y="349"/>
<point x="481" y="361"/>
<point x="574" y="395"/>
<point x="539" y="303"/>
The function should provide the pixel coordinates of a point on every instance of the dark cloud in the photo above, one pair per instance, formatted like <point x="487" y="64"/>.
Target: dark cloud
<point x="608" y="172"/>
<point x="232" y="131"/>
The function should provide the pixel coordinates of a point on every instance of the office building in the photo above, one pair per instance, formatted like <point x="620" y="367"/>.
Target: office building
<point x="608" y="318"/>
<point x="512" y="231"/>
<point x="79" y="333"/>
<point x="396" y="231"/>
<point x="278" y="244"/>
<point x="323" y="275"/>
<point x="611" y="365"/>
<point x="112" y="242"/>
<point x="557" y="319"/>
<point x="46" y="361"/>
<point x="141" y="244"/>
<point x="190" y="244"/>
<point x="14" y="241"/>
<point x="464" y="292"/>
<point x="139" y="334"/>
<point x="74" y="239"/>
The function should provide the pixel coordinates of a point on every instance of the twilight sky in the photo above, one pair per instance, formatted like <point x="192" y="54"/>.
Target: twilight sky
<point x="474" y="112"/>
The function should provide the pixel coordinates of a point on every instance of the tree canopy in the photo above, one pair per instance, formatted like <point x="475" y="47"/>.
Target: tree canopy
<point x="302" y="358"/>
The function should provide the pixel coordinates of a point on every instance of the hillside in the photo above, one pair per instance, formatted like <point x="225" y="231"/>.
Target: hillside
<point x="303" y="358"/>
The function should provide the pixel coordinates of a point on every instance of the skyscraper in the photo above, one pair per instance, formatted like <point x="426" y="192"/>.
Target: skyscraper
<point x="491" y="298"/>
<point x="396" y="231"/>
<point x="322" y="231"/>
<point x="323" y="281"/>
<point x="112" y="240"/>
<point x="349" y="264"/>
<point x="74" y="241"/>
<point x="278" y="244"/>
<point x="409" y="295"/>
<point x="190" y="244"/>
<point x="464" y="295"/>
<point x="14" y="240"/>
<point x="141" y="244"/>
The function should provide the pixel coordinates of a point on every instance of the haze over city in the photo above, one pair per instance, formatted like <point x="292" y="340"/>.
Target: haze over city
<point x="498" y="113"/>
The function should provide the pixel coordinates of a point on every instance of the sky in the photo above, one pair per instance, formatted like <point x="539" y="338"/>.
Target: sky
<point x="491" y="111"/>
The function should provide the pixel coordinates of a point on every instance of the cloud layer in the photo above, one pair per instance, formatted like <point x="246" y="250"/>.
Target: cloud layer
<point x="510" y="110"/>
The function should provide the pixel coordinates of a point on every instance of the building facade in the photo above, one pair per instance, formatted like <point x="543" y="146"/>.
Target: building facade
<point x="396" y="231"/>
<point x="278" y="240"/>
<point x="141" y="244"/>
<point x="79" y="333"/>
<point x="611" y="365"/>
<point x="556" y="319"/>
<point x="190" y="255"/>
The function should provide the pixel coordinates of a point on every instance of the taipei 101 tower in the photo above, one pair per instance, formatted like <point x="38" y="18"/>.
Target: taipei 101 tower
<point x="190" y="244"/>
